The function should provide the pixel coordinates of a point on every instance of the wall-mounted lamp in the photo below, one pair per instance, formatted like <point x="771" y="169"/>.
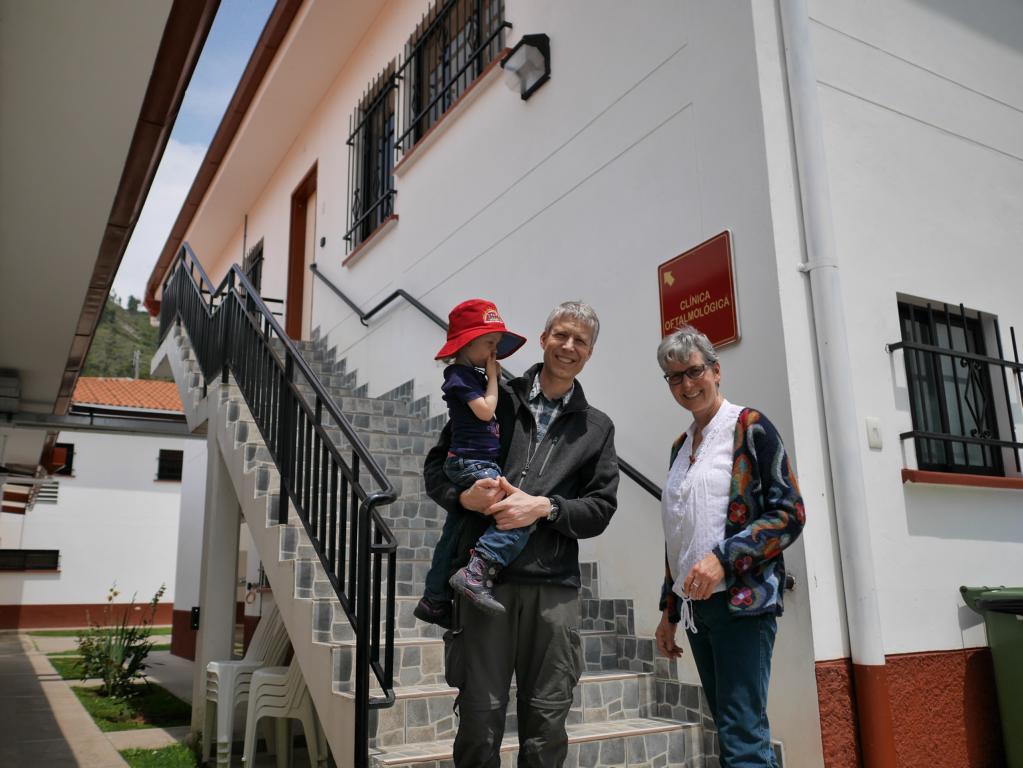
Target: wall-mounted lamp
<point x="528" y="65"/>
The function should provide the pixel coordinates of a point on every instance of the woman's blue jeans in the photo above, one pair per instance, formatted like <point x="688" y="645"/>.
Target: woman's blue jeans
<point x="733" y="656"/>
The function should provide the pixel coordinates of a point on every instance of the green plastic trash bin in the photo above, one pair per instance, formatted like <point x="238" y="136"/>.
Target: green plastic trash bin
<point x="1002" y="609"/>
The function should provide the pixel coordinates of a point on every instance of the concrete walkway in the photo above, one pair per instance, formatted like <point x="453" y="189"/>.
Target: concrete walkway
<point x="43" y="724"/>
<point x="41" y="721"/>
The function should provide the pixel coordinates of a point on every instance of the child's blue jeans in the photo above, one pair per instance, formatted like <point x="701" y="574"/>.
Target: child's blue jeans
<point x="500" y="547"/>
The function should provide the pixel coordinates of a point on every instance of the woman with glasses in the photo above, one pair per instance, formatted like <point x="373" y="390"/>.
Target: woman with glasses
<point x="731" y="504"/>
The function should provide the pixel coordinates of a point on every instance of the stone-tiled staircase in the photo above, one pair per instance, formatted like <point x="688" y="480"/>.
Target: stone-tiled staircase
<point x="628" y="710"/>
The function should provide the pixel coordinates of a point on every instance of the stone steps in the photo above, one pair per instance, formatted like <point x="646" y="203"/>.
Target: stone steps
<point x="636" y="742"/>
<point x="425" y="713"/>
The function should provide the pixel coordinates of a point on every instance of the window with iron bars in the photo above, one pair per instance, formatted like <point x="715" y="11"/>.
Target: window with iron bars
<point x="252" y="265"/>
<point x="169" y="464"/>
<point x="371" y="160"/>
<point x="29" y="559"/>
<point x="451" y="47"/>
<point x="68" y="467"/>
<point x="959" y="395"/>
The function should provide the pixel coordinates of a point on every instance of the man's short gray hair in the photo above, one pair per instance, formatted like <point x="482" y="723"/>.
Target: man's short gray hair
<point x="575" y="310"/>
<point x="678" y="346"/>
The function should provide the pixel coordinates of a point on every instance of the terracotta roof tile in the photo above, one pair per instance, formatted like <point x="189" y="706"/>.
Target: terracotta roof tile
<point x="128" y="393"/>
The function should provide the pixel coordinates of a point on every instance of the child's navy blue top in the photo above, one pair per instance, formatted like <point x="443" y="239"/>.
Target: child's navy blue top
<point x="471" y="437"/>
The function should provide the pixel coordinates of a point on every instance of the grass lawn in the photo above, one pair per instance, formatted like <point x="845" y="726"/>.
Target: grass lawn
<point x="176" y="756"/>
<point x="154" y="706"/>
<point x="77" y="632"/>
<point x="58" y="654"/>
<point x="66" y="662"/>
<point x="67" y="666"/>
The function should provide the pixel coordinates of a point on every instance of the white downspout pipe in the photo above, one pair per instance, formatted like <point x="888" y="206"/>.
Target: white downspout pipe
<point x="857" y="561"/>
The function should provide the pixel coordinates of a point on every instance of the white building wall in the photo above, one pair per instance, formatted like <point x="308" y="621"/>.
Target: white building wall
<point x="190" y="523"/>
<point x="925" y="158"/>
<point x="113" y="522"/>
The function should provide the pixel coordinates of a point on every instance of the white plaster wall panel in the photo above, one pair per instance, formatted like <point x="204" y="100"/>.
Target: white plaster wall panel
<point x="823" y="581"/>
<point x="11" y="526"/>
<point x="974" y="44"/>
<point x="112" y="522"/>
<point x="120" y="462"/>
<point x="190" y="525"/>
<point x="927" y="192"/>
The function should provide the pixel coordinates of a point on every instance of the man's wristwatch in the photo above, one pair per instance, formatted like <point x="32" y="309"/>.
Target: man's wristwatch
<point x="555" y="510"/>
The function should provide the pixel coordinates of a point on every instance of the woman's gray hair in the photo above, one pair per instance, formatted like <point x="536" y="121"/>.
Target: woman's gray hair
<point x="575" y="310"/>
<point x="678" y="346"/>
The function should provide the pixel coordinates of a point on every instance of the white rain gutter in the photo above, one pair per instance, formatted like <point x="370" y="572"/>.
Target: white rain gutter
<point x="836" y="374"/>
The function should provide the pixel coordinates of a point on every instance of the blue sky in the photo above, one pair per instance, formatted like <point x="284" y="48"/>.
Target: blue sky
<point x="228" y="47"/>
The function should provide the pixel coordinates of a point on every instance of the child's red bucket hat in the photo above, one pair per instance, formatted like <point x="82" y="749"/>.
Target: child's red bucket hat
<point x="472" y="319"/>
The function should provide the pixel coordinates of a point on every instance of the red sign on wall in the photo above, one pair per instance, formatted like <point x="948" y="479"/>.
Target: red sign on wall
<point x="698" y="289"/>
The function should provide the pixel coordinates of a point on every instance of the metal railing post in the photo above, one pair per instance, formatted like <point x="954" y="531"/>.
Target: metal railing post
<point x="362" y="635"/>
<point x="286" y="436"/>
<point x="226" y="320"/>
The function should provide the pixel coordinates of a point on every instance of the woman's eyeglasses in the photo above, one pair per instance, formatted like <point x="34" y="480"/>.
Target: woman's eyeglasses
<point x="693" y="374"/>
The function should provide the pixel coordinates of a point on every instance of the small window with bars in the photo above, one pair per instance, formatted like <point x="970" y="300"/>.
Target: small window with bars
<point x="960" y="394"/>
<point x="252" y="265"/>
<point x="169" y="465"/>
<point x="451" y="47"/>
<point x="29" y="559"/>
<point x="65" y="454"/>
<point x="371" y="161"/>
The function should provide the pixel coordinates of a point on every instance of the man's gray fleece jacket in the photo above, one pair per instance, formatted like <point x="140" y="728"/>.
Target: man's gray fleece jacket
<point x="575" y="464"/>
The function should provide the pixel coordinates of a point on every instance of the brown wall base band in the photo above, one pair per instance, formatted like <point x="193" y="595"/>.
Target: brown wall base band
<point x="69" y="615"/>
<point x="183" y="637"/>
<point x="944" y="711"/>
<point x="248" y="629"/>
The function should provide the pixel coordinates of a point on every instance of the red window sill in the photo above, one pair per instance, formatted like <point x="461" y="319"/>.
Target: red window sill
<point x="954" y="478"/>
<point x="448" y="118"/>
<point x="385" y="226"/>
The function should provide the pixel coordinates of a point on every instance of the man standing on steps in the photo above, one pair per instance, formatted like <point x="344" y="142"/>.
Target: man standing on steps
<point x="561" y="473"/>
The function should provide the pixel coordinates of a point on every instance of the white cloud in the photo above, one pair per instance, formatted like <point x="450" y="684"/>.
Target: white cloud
<point x="173" y="180"/>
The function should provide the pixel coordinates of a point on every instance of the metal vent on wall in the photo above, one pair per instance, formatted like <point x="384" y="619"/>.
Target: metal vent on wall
<point x="48" y="492"/>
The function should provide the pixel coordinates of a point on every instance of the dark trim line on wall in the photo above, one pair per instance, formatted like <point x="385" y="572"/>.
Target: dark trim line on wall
<point x="276" y="28"/>
<point x="184" y="35"/>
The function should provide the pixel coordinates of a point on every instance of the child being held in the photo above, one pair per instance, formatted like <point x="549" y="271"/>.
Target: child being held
<point x="477" y="339"/>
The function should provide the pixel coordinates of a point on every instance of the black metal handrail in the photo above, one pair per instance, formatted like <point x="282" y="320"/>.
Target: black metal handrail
<point x="336" y="491"/>
<point x="627" y="469"/>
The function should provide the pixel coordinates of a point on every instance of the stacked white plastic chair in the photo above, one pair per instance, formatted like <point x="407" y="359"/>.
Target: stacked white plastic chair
<point x="281" y="692"/>
<point x="228" y="683"/>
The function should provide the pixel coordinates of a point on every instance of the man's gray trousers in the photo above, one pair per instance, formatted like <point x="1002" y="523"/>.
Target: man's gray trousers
<point x="537" y="640"/>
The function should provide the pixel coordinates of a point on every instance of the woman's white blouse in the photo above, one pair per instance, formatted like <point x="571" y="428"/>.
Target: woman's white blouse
<point x="694" y="506"/>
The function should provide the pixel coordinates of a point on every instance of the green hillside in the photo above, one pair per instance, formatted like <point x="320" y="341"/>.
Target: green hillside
<point x="119" y="333"/>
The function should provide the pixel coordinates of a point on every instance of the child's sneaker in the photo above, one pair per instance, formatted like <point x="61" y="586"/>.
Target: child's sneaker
<point x="475" y="582"/>
<point x="434" y="612"/>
